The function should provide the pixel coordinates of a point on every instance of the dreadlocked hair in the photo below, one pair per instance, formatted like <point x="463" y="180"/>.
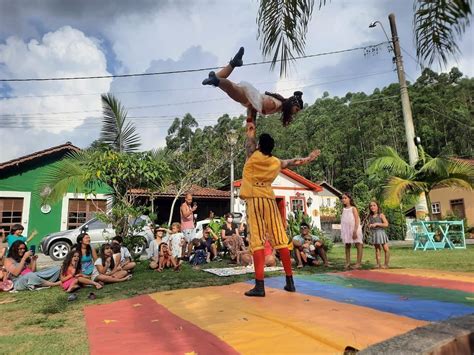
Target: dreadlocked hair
<point x="287" y="105"/>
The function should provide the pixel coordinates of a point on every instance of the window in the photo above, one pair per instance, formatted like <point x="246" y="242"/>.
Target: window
<point x="10" y="212"/>
<point x="80" y="211"/>
<point x="436" y="208"/>
<point x="297" y="205"/>
<point x="328" y="202"/>
<point x="457" y="206"/>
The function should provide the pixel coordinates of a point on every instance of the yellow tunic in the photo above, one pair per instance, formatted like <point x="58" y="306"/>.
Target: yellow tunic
<point x="263" y="217"/>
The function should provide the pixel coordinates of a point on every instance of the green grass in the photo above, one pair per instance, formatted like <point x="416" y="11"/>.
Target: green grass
<point x="44" y="322"/>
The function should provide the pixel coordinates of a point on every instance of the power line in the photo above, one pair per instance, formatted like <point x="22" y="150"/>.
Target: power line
<point x="184" y="70"/>
<point x="5" y="98"/>
<point x="186" y="102"/>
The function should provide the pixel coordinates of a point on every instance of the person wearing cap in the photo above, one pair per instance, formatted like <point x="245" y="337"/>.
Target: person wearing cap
<point x="154" y="248"/>
<point x="263" y="217"/>
<point x="247" y="95"/>
<point x="299" y="240"/>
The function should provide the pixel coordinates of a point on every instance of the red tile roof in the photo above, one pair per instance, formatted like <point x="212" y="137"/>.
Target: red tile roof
<point x="68" y="146"/>
<point x="295" y="176"/>
<point x="196" y="191"/>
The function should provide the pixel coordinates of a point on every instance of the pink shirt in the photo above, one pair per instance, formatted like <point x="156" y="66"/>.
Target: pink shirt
<point x="186" y="222"/>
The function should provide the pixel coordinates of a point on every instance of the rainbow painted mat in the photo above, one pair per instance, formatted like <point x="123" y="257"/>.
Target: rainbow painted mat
<point x="327" y="313"/>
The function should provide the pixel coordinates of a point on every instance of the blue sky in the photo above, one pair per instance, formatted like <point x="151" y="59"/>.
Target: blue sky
<point x="52" y="38"/>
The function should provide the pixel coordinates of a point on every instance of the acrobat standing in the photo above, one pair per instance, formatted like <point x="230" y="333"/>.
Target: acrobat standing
<point x="250" y="97"/>
<point x="263" y="216"/>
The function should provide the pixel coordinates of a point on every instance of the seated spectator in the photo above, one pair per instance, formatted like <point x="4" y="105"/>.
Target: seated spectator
<point x="3" y="245"/>
<point x="166" y="259"/>
<point x="210" y="239"/>
<point x="269" y="253"/>
<point x="16" y="234"/>
<point x="230" y="238"/>
<point x="105" y="269"/>
<point x="243" y="233"/>
<point x="154" y="248"/>
<point x="244" y="257"/>
<point x="318" y="244"/>
<point x="87" y="253"/>
<point x="199" y="255"/>
<point x="71" y="277"/>
<point x="21" y="265"/>
<point x="176" y="241"/>
<point x="125" y="257"/>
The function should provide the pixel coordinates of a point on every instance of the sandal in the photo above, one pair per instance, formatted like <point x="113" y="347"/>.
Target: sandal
<point x="92" y="296"/>
<point x="211" y="80"/>
<point x="72" y="297"/>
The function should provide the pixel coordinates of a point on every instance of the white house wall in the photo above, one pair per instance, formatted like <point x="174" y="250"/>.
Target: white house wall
<point x="287" y="188"/>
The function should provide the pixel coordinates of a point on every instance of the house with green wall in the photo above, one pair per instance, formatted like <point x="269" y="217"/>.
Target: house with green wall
<point x="21" y="202"/>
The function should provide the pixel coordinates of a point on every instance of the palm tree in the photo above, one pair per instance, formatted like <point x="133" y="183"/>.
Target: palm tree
<point x="71" y="173"/>
<point x="427" y="174"/>
<point x="283" y="25"/>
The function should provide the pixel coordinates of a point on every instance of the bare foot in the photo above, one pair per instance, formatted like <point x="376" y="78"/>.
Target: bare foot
<point x="379" y="266"/>
<point x="347" y="266"/>
<point x="356" y="266"/>
<point x="385" y="266"/>
<point x="98" y="286"/>
<point x="299" y="266"/>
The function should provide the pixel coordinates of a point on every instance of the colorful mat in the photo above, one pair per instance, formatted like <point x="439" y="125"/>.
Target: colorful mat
<point x="327" y="313"/>
<point x="239" y="270"/>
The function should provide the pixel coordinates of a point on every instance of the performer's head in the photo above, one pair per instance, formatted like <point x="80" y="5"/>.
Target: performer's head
<point x="266" y="144"/>
<point x="290" y="107"/>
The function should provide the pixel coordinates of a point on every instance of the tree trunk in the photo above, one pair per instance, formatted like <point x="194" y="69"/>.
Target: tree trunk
<point x="172" y="208"/>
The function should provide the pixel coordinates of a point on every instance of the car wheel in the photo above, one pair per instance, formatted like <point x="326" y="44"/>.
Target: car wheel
<point x="139" y="249"/>
<point x="59" y="250"/>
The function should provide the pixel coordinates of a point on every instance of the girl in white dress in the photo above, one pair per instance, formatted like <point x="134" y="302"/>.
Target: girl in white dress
<point x="351" y="230"/>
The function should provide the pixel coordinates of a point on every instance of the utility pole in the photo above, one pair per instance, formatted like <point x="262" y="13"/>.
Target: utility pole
<point x="421" y="206"/>
<point x="406" y="108"/>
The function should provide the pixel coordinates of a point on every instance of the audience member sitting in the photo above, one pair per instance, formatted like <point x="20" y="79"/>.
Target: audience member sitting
<point x="71" y="277"/>
<point x="243" y="233"/>
<point x="105" y="269"/>
<point x="125" y="257"/>
<point x="210" y="239"/>
<point x="166" y="259"/>
<point x="154" y="248"/>
<point x="21" y="265"/>
<point x="3" y="245"/>
<point x="230" y="238"/>
<point x="176" y="240"/>
<point x="318" y="244"/>
<point x="16" y="234"/>
<point x="200" y="254"/>
<point x="87" y="253"/>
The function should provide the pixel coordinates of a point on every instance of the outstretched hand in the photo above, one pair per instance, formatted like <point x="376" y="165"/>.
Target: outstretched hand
<point x="314" y="154"/>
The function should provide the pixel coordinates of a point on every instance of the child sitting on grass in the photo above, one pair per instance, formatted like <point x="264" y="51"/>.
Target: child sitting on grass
<point x="71" y="277"/>
<point x="200" y="254"/>
<point x="167" y="260"/>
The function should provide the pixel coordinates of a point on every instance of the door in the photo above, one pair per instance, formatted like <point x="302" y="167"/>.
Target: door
<point x="457" y="206"/>
<point x="282" y="208"/>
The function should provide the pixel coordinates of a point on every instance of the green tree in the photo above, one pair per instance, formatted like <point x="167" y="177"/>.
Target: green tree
<point x="427" y="174"/>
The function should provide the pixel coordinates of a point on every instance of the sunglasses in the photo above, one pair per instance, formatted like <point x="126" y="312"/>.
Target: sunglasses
<point x="303" y="227"/>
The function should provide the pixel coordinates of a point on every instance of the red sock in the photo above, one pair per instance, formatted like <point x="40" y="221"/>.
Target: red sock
<point x="259" y="264"/>
<point x="286" y="260"/>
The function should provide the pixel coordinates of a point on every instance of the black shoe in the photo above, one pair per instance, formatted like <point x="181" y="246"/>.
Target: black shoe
<point x="290" y="284"/>
<point x="237" y="60"/>
<point x="258" y="290"/>
<point x="211" y="80"/>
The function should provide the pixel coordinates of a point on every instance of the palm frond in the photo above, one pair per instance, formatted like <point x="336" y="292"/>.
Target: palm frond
<point x="454" y="181"/>
<point x="282" y="28"/>
<point x="397" y="188"/>
<point x="66" y="175"/>
<point x="116" y="131"/>
<point x="387" y="159"/>
<point x="437" y="26"/>
<point x="435" y="166"/>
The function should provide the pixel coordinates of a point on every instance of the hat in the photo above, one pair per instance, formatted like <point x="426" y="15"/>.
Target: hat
<point x="160" y="229"/>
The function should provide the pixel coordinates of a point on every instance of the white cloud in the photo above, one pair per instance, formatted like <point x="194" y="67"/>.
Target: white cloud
<point x="65" y="52"/>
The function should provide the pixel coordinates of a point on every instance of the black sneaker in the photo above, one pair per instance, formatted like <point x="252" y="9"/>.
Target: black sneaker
<point x="211" y="80"/>
<point x="237" y="60"/>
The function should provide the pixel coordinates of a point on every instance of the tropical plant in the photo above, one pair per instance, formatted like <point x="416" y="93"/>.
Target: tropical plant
<point x="427" y="174"/>
<point x="118" y="134"/>
<point x="283" y="25"/>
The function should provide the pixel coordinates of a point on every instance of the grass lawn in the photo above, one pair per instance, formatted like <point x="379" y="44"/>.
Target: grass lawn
<point x="44" y="322"/>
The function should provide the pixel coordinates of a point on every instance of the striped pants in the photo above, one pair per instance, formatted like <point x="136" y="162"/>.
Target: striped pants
<point x="264" y="220"/>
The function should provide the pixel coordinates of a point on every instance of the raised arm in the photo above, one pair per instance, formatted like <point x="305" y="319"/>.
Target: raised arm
<point x="250" y="142"/>
<point x="290" y="163"/>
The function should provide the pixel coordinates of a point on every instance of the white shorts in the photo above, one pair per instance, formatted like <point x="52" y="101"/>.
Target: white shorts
<point x="189" y="234"/>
